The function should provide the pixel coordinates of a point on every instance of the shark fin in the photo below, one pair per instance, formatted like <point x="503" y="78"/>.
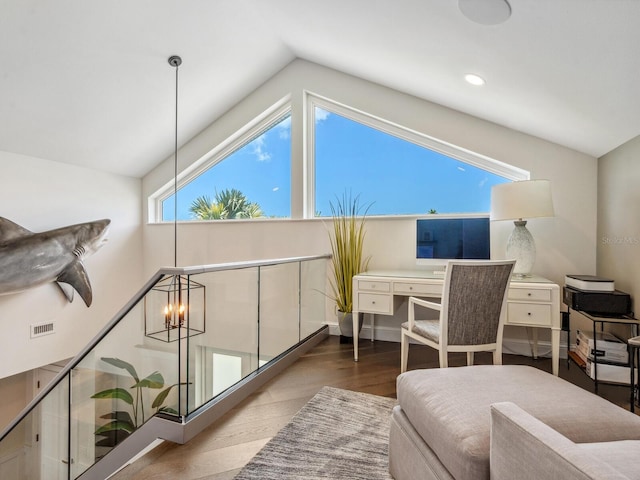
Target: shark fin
<point x="10" y="231"/>
<point x="76" y="276"/>
<point x="67" y="290"/>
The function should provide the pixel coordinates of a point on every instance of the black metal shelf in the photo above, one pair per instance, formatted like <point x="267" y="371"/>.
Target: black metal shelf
<point x="629" y="320"/>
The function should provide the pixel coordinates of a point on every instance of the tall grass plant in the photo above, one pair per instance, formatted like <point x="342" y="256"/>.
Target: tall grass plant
<point x="347" y="247"/>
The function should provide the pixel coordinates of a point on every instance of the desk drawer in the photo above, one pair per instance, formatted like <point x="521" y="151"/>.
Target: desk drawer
<point x="418" y="289"/>
<point x="374" y="286"/>
<point x="374" y="303"/>
<point x="529" y="314"/>
<point x="533" y="294"/>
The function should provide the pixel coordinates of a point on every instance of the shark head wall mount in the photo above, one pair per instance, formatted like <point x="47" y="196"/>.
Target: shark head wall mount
<point x="29" y="259"/>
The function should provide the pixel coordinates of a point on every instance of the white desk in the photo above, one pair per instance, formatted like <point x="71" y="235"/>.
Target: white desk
<point x="532" y="301"/>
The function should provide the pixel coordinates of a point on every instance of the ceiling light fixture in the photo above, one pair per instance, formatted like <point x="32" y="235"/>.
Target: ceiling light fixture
<point x="485" y="12"/>
<point x="174" y="308"/>
<point x="474" y="79"/>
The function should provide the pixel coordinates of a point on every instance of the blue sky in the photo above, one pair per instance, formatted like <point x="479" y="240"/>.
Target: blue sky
<point x="393" y="175"/>
<point x="260" y="170"/>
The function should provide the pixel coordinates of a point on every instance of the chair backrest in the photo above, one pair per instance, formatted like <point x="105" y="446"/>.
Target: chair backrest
<point x="474" y="299"/>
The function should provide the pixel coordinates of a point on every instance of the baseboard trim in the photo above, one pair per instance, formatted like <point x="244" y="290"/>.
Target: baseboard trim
<point x="515" y="346"/>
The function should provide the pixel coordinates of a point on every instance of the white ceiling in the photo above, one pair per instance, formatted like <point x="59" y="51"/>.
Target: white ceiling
<point x="88" y="83"/>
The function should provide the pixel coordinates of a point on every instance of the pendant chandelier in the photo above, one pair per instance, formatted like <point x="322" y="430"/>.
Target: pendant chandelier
<point x="175" y="307"/>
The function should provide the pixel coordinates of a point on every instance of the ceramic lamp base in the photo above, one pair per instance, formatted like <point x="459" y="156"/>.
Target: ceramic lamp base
<point x="522" y="248"/>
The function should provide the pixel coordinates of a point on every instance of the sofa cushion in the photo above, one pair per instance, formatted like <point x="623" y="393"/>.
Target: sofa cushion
<point x="450" y="409"/>
<point x="409" y="457"/>
<point x="623" y="455"/>
<point x="523" y="447"/>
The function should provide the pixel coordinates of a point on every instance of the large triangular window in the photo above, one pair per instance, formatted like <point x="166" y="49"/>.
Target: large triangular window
<point x="394" y="170"/>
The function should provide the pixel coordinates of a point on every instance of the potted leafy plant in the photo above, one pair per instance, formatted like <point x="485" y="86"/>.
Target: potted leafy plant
<point x="347" y="240"/>
<point x="121" y="423"/>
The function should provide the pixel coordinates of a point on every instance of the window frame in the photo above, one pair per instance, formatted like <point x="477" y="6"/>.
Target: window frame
<point x="313" y="100"/>
<point x="306" y="124"/>
<point x="245" y="135"/>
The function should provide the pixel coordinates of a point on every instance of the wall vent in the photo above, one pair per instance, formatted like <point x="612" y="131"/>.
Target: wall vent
<point x="42" y="329"/>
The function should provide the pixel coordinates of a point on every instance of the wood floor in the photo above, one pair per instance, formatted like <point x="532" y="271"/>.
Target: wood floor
<point x="221" y="450"/>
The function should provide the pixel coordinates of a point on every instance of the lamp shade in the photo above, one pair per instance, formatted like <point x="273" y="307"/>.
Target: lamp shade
<point x="524" y="199"/>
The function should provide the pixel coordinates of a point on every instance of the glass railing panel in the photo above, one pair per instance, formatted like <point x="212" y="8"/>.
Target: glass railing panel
<point x="38" y="447"/>
<point x="176" y="345"/>
<point x="279" y="309"/>
<point x="313" y="279"/>
<point x="55" y="458"/>
<point x="119" y="385"/>
<point x="227" y="350"/>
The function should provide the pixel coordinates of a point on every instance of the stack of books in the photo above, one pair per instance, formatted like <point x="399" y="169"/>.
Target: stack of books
<point x="608" y="348"/>
<point x="610" y="352"/>
<point x="611" y="373"/>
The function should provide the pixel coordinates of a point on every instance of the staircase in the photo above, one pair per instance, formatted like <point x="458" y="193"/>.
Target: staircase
<point x="190" y="345"/>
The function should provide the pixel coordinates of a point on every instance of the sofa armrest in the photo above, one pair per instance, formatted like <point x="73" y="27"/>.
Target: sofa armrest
<point x="523" y="447"/>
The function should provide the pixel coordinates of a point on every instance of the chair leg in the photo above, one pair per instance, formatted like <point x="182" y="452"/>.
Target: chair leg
<point x="469" y="358"/>
<point x="404" y="352"/>
<point x="443" y="357"/>
<point x="497" y="357"/>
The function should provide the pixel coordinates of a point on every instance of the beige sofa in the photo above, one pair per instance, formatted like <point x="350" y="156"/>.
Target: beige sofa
<point x="453" y="423"/>
<point x="523" y="447"/>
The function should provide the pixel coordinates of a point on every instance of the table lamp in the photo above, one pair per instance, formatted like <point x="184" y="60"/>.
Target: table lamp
<point x="517" y="201"/>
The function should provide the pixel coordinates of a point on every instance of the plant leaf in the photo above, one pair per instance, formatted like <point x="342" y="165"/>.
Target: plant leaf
<point x="170" y="410"/>
<point x="115" y="426"/>
<point x="116" y="362"/>
<point x="155" y="380"/>
<point x="118" y="393"/>
<point x="162" y="396"/>
<point x="118" y="415"/>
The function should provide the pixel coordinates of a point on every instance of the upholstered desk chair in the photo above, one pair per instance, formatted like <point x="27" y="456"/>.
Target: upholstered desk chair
<point x="472" y="312"/>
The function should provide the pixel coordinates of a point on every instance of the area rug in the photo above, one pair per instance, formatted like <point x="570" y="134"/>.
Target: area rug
<point x="338" y="434"/>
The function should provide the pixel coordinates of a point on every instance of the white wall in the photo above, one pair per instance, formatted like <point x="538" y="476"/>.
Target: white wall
<point x="41" y="195"/>
<point x="619" y="218"/>
<point x="565" y="243"/>
<point x="15" y="389"/>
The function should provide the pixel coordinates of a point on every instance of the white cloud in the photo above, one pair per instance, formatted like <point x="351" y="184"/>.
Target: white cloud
<point x="461" y="169"/>
<point x="258" y="149"/>
<point x="321" y="115"/>
<point x="284" y="128"/>
<point x="275" y="189"/>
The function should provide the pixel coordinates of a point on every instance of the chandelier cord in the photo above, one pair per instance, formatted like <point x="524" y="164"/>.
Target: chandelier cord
<point x="175" y="61"/>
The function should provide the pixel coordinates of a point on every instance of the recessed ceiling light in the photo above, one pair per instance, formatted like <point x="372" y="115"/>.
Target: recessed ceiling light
<point x="474" y="79"/>
<point x="485" y="12"/>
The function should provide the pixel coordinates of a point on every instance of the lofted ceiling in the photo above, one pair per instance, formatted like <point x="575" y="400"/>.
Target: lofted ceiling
<point x="88" y="83"/>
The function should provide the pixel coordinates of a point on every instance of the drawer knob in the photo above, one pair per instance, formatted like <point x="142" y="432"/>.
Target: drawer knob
<point x="529" y="294"/>
<point x="410" y="288"/>
<point x="529" y="313"/>
<point x="373" y="303"/>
